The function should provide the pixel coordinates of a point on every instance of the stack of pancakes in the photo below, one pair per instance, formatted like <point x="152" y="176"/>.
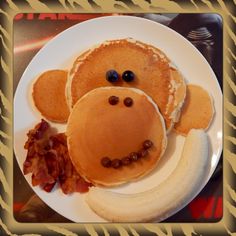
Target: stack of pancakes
<point x="153" y="74"/>
<point x="97" y="129"/>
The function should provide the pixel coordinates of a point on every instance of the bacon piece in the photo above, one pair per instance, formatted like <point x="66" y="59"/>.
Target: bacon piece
<point x="69" y="179"/>
<point x="31" y="161"/>
<point x="48" y="161"/>
<point x="48" y="187"/>
<point x="83" y="186"/>
<point x="41" y="177"/>
<point x="52" y="164"/>
<point x="35" y="160"/>
<point x="36" y="133"/>
<point x="58" y="139"/>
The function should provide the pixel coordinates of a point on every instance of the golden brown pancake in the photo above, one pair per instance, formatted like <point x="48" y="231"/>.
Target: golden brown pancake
<point x="97" y="129"/>
<point x="149" y="64"/>
<point x="197" y="111"/>
<point x="49" y="95"/>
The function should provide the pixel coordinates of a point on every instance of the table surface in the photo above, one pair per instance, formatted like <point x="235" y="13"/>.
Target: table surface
<point x="31" y="32"/>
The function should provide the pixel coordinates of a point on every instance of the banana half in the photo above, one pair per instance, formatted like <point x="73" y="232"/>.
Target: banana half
<point x="157" y="204"/>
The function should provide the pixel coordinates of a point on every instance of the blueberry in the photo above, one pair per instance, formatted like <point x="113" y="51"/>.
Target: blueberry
<point x="142" y="153"/>
<point x="147" y="144"/>
<point x="113" y="100"/>
<point x="116" y="163"/>
<point x="128" y="76"/>
<point x="126" y="161"/>
<point x="128" y="102"/>
<point x="112" y="76"/>
<point x="134" y="156"/>
<point x="106" y="161"/>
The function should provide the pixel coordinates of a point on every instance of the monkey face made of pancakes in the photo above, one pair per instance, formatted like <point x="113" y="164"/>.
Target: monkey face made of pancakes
<point x="123" y="97"/>
<point x="133" y="64"/>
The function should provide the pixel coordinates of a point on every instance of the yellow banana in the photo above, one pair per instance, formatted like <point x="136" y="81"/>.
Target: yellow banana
<point x="161" y="201"/>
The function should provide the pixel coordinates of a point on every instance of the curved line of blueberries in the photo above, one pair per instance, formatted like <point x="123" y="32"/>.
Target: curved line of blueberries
<point x="132" y="157"/>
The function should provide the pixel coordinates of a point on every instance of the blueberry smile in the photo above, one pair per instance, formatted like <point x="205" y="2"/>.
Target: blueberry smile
<point x="127" y="160"/>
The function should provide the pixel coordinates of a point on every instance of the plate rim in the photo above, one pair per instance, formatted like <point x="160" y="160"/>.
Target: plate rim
<point x="45" y="47"/>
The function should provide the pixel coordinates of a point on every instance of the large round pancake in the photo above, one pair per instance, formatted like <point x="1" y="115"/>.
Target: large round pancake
<point x="97" y="129"/>
<point x="197" y="111"/>
<point x="49" y="95"/>
<point x="150" y="65"/>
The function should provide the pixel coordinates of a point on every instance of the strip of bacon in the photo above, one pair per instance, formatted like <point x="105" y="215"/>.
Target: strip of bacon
<point x="49" y="162"/>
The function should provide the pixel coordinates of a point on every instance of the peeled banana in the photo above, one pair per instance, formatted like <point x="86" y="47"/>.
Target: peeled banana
<point x="161" y="201"/>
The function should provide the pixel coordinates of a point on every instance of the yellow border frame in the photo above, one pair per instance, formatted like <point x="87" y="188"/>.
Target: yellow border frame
<point x="8" y="10"/>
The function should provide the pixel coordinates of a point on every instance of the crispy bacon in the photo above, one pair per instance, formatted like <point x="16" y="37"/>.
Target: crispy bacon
<point x="49" y="162"/>
<point x="48" y="187"/>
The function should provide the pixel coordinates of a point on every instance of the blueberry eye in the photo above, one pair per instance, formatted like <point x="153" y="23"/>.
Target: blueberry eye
<point x="112" y="76"/>
<point x="128" y="76"/>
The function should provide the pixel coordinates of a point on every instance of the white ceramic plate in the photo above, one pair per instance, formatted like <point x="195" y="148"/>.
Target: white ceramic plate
<point x="60" y="53"/>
